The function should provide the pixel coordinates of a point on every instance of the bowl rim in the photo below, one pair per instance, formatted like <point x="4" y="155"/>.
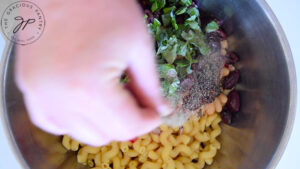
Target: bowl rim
<point x="293" y="83"/>
<point x="292" y="79"/>
<point x="4" y="119"/>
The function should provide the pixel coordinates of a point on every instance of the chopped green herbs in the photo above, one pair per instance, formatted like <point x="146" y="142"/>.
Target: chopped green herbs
<point x="124" y="79"/>
<point x="181" y="10"/>
<point x="179" y="37"/>
<point x="211" y="27"/>
<point x="157" y="4"/>
<point x="185" y="2"/>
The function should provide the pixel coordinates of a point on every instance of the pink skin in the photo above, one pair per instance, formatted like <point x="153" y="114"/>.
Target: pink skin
<point x="70" y="76"/>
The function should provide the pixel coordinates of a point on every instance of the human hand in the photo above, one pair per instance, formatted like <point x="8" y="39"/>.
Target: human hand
<point x="70" y="76"/>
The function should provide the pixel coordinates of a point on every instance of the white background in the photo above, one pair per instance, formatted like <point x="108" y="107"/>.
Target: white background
<point x="288" y="13"/>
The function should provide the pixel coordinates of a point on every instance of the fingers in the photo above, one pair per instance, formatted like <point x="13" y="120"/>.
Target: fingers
<point x="121" y="117"/>
<point x="144" y="81"/>
<point x="82" y="129"/>
<point x="108" y="116"/>
<point x="39" y="118"/>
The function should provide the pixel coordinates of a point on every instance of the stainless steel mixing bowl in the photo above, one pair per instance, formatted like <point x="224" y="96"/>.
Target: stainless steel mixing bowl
<point x="267" y="87"/>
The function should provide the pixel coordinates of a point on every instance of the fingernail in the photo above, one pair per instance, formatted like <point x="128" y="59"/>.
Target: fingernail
<point x="164" y="110"/>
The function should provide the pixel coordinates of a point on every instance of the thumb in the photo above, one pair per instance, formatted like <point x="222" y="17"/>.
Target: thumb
<point x="144" y="80"/>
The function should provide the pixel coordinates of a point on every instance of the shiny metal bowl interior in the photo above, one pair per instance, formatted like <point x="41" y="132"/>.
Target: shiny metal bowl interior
<point x="267" y="87"/>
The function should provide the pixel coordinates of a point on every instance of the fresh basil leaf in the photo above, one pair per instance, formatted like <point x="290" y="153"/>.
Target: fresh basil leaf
<point x="178" y="32"/>
<point x="181" y="72"/>
<point x="189" y="70"/>
<point x="181" y="10"/>
<point x="193" y="12"/>
<point x="171" y="74"/>
<point x="154" y="6"/>
<point x="194" y="25"/>
<point x="182" y="50"/>
<point x="173" y="1"/>
<point x="158" y="36"/>
<point x="155" y="29"/>
<point x="156" y="23"/>
<point x="165" y="87"/>
<point x="151" y="29"/>
<point x="163" y="37"/>
<point x="161" y="49"/>
<point x="192" y="18"/>
<point x="169" y="9"/>
<point x="186" y="2"/>
<point x="172" y="40"/>
<point x="194" y="61"/>
<point x="161" y="4"/>
<point x="170" y="88"/>
<point x="173" y="20"/>
<point x="145" y="16"/>
<point x="189" y="58"/>
<point x="197" y="38"/>
<point x="163" y="69"/>
<point x="211" y="27"/>
<point x="169" y="50"/>
<point x="170" y="54"/>
<point x="187" y="36"/>
<point x="160" y="60"/>
<point x="174" y="87"/>
<point x="124" y="79"/>
<point x="204" y="49"/>
<point x="182" y="63"/>
<point x="166" y="19"/>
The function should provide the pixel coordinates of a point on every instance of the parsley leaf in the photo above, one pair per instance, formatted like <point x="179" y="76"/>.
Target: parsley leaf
<point x="194" y="25"/>
<point x="169" y="50"/>
<point x="181" y="10"/>
<point x="154" y="7"/>
<point x="170" y="83"/>
<point x="174" y="86"/>
<point x="193" y="12"/>
<point x="182" y="50"/>
<point x="163" y="70"/>
<point x="211" y="27"/>
<point x="166" y="19"/>
<point x="186" y="2"/>
<point x="169" y="9"/>
<point x="157" y="4"/>
<point x="198" y="39"/>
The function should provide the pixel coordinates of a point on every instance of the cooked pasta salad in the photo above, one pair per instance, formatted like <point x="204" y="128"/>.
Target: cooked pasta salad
<point x="195" y="67"/>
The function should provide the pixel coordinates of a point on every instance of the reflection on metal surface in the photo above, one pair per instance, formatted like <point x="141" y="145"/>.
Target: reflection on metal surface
<point x="267" y="88"/>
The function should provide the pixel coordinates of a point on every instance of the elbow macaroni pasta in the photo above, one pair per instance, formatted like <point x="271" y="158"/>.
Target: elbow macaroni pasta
<point x="192" y="146"/>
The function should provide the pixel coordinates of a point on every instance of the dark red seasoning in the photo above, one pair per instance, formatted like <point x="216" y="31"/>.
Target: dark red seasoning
<point x="156" y="14"/>
<point x="221" y="34"/>
<point x="150" y="16"/>
<point x="231" y="80"/>
<point x="193" y="5"/>
<point x="190" y="76"/>
<point x="133" y="140"/>
<point x="226" y="117"/>
<point x="233" y="103"/>
<point x="219" y="22"/>
<point x="232" y="58"/>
